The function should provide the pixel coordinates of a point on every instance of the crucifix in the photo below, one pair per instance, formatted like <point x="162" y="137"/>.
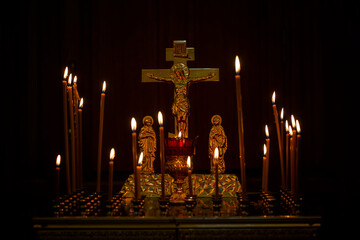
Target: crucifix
<point x="179" y="76"/>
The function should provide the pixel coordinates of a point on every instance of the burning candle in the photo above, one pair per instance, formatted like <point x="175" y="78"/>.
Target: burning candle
<point x="58" y="161"/>
<point x="216" y="162"/>
<point x="292" y="160"/>
<point x="263" y="188"/>
<point x="76" y="119"/>
<point x="101" y="124"/>
<point x="287" y="152"/>
<point x="240" y="123"/>
<point x="72" y="127"/>
<point x="267" y="139"/>
<point x="111" y="169"/>
<point x="162" y="154"/>
<point x="298" y="136"/>
<point x="81" y="105"/>
<point x="66" y="131"/>
<point x="137" y="177"/>
<point x="134" y="147"/>
<point x="181" y="140"/>
<point x="276" y="116"/>
<point x="189" y="175"/>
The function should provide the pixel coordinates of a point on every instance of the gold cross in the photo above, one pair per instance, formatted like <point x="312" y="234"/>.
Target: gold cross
<point x="182" y="77"/>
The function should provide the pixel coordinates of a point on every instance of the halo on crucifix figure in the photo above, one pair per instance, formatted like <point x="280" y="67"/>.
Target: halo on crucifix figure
<point x="182" y="77"/>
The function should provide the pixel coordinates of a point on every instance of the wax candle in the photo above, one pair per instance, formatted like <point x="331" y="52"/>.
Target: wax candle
<point x="216" y="162"/>
<point x="58" y="161"/>
<point x="111" y="169"/>
<point x="263" y="188"/>
<point x="181" y="140"/>
<point x="76" y="122"/>
<point x="298" y="136"/>
<point x="162" y="154"/>
<point x="293" y="123"/>
<point x="101" y="124"/>
<point x="267" y="162"/>
<point x="240" y="123"/>
<point x="134" y="146"/>
<point x="72" y="127"/>
<point x="276" y="117"/>
<point x="81" y="105"/>
<point x="292" y="160"/>
<point x="137" y="178"/>
<point x="287" y="152"/>
<point x="66" y="131"/>
<point x="189" y="175"/>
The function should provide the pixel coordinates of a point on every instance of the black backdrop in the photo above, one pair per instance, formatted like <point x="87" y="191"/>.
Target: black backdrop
<point x="306" y="51"/>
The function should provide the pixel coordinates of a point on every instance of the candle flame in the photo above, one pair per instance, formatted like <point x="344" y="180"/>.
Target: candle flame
<point x="140" y="158"/>
<point x="237" y="65"/>
<point x="179" y="135"/>
<point x="287" y="126"/>
<point x="188" y="162"/>
<point x="273" y="98"/>
<point x="133" y="124"/>
<point x="58" y="160"/>
<point x="298" y="129"/>
<point x="290" y="131"/>
<point x="293" y="124"/>
<point x="160" y="118"/>
<point x="75" y="79"/>
<point x="266" y="131"/>
<point x="81" y="104"/>
<point x="265" y="149"/>
<point x="216" y="154"/>
<point x="70" y="79"/>
<point x="66" y="72"/>
<point x="104" y="87"/>
<point x="282" y="115"/>
<point x="112" y="154"/>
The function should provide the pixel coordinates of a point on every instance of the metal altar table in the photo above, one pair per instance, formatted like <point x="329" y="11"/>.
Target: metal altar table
<point x="254" y="227"/>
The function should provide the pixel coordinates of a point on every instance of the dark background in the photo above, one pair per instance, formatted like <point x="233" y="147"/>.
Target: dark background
<point x="306" y="51"/>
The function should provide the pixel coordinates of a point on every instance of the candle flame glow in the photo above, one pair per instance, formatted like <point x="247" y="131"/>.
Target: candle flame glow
<point x="58" y="160"/>
<point x="160" y="118"/>
<point x="70" y="79"/>
<point x="133" y="124"/>
<point x="81" y="104"/>
<point x="265" y="150"/>
<point x="266" y="131"/>
<point x="66" y="72"/>
<point x="179" y="135"/>
<point x="140" y="158"/>
<point x="290" y="131"/>
<point x="216" y="154"/>
<point x="75" y="79"/>
<point x="273" y="98"/>
<point x="282" y="115"/>
<point x="293" y="124"/>
<point x="112" y="154"/>
<point x="287" y="126"/>
<point x="237" y="65"/>
<point x="188" y="162"/>
<point x="298" y="129"/>
<point x="104" y="87"/>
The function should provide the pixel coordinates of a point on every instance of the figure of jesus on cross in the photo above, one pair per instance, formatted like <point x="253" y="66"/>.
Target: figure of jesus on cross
<point x="180" y="77"/>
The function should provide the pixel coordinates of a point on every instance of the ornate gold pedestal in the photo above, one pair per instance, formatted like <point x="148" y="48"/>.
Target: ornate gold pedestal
<point x="177" y="168"/>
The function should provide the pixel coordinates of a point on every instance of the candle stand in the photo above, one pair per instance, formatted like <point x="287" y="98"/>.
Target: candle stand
<point x="217" y="204"/>
<point x="164" y="205"/>
<point x="190" y="203"/>
<point x="244" y="204"/>
<point x="269" y="203"/>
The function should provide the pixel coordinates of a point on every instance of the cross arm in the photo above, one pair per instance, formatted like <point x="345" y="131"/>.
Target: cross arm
<point x="204" y="74"/>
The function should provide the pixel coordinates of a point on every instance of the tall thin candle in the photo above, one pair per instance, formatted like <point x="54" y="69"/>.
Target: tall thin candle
<point x="287" y="152"/>
<point x="101" y="124"/>
<point x="134" y="147"/>
<point x="137" y="177"/>
<point x="66" y="131"/>
<point x="81" y="105"/>
<point x="298" y="136"/>
<point x="162" y="154"/>
<point x="276" y="116"/>
<point x="216" y="162"/>
<point x="266" y="184"/>
<point x="58" y="161"/>
<point x="293" y="155"/>
<point x="263" y="170"/>
<point x="72" y="127"/>
<point x="76" y="121"/>
<point x="189" y="175"/>
<point x="111" y="170"/>
<point x="240" y="123"/>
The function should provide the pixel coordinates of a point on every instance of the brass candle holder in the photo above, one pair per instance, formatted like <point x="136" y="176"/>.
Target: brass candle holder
<point x="177" y="151"/>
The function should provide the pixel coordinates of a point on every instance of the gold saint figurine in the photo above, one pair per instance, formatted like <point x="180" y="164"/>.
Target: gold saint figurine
<point x="180" y="77"/>
<point x="147" y="145"/>
<point x="217" y="139"/>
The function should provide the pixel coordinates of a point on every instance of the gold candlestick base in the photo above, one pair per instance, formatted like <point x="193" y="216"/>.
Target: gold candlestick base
<point x="177" y="167"/>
